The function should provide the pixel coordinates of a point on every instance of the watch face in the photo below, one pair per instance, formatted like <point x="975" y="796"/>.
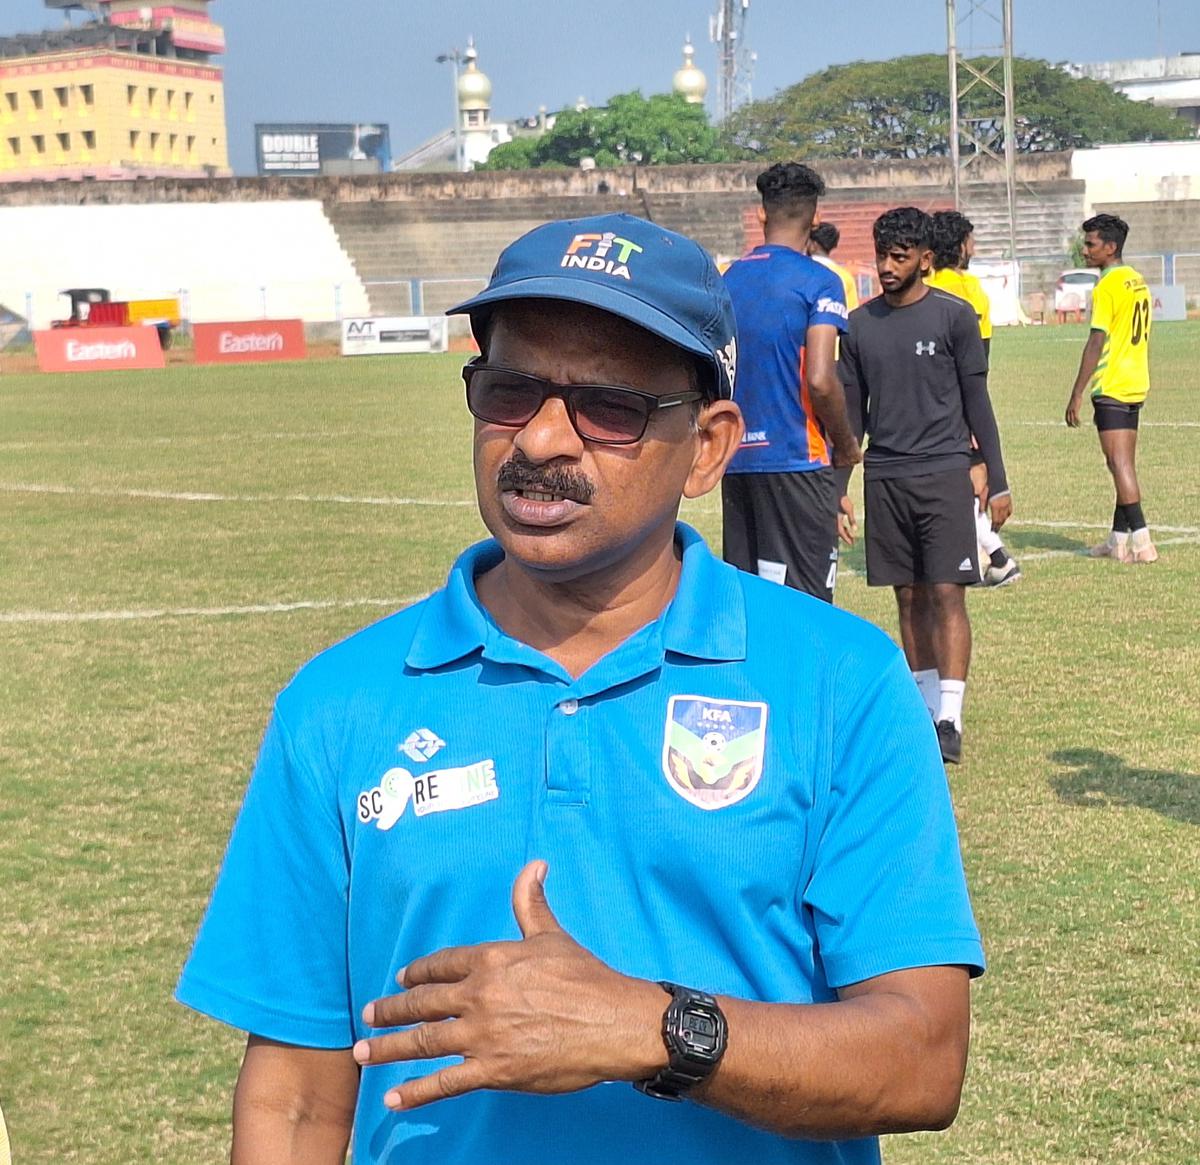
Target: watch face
<point x="699" y="1032"/>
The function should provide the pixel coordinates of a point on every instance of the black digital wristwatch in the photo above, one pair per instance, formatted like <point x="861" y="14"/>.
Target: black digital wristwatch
<point x="695" y="1033"/>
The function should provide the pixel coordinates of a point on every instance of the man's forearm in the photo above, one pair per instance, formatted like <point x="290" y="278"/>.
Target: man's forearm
<point x="981" y="419"/>
<point x="829" y="405"/>
<point x="871" y="1064"/>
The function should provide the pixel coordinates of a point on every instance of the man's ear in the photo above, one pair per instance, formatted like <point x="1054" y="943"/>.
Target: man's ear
<point x="719" y="429"/>
<point x="761" y="211"/>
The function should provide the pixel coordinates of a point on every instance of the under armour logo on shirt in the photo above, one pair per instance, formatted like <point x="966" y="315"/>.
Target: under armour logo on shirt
<point x="926" y="347"/>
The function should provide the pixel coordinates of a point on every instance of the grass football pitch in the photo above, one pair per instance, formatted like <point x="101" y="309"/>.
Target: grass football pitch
<point x="173" y="545"/>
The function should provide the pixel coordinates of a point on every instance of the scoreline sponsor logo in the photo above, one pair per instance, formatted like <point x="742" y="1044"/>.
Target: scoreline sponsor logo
<point x="235" y="345"/>
<point x="78" y="353"/>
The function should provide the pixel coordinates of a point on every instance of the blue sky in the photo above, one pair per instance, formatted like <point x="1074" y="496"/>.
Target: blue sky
<point x="373" y="60"/>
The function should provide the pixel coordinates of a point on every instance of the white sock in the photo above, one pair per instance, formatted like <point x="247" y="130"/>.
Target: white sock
<point x="1119" y="537"/>
<point x="952" y="692"/>
<point x="989" y="540"/>
<point x="927" y="681"/>
<point x="1140" y="537"/>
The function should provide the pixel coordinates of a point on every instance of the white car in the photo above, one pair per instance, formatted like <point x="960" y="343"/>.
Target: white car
<point x="1073" y="291"/>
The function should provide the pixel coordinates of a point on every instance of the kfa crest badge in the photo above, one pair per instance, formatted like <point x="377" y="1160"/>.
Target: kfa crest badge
<point x="713" y="749"/>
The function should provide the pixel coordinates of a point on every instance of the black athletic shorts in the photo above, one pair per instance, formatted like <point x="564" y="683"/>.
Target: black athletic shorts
<point x="1115" y="414"/>
<point x="921" y="530"/>
<point x="783" y="526"/>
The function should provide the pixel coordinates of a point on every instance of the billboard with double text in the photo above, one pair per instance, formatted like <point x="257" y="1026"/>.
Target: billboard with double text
<point x="309" y="149"/>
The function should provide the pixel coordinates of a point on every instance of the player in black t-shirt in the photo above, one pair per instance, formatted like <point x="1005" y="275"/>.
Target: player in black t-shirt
<point x="915" y="373"/>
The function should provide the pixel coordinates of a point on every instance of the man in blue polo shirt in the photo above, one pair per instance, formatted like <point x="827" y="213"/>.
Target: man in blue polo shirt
<point x="604" y="822"/>
<point x="779" y="499"/>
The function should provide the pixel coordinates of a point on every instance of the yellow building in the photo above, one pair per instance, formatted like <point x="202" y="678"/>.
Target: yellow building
<point x="132" y="94"/>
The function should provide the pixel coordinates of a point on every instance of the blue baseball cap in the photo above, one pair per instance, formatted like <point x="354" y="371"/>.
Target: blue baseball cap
<point x="652" y="277"/>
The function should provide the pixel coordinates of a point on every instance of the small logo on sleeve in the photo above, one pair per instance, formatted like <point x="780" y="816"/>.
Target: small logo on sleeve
<point x="827" y="304"/>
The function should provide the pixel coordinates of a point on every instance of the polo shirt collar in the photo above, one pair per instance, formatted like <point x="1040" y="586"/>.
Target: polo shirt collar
<point x="707" y="616"/>
<point x="705" y="620"/>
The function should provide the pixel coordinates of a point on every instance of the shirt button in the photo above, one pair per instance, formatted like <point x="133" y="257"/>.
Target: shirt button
<point x="569" y="707"/>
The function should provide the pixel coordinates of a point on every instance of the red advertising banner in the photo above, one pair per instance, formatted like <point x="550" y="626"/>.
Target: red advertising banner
<point x="249" y="341"/>
<point x="98" y="349"/>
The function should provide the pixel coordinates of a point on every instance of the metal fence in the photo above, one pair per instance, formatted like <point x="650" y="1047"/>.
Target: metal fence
<point x="1041" y="272"/>
<point x="317" y="301"/>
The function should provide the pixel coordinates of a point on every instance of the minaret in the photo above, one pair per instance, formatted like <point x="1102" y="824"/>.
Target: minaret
<point x="474" y="109"/>
<point x="690" y="83"/>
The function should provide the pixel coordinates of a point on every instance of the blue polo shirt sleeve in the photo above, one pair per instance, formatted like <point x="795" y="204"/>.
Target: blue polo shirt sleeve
<point x="887" y="889"/>
<point x="270" y="957"/>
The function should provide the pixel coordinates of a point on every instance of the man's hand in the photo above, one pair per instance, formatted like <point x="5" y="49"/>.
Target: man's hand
<point x="847" y="522"/>
<point x="846" y="453"/>
<point x="1072" y="413"/>
<point x="1000" y="510"/>
<point x="539" y="1015"/>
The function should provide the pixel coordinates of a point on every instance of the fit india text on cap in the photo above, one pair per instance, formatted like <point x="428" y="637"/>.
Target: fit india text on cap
<point x="655" y="278"/>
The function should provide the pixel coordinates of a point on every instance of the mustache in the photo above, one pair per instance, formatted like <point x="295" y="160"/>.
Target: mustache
<point x="518" y="473"/>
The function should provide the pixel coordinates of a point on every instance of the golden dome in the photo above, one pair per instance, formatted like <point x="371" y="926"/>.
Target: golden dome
<point x="689" y="82"/>
<point x="474" y="88"/>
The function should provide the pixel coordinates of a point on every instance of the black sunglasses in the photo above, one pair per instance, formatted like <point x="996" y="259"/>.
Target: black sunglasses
<point x="603" y="413"/>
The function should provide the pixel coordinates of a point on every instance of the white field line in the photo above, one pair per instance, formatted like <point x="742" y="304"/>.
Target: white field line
<point x="150" y="613"/>
<point x="1062" y="425"/>
<point x="160" y="495"/>
<point x="242" y="438"/>
<point x="1189" y="540"/>
<point x="189" y="442"/>
<point x="1039" y="555"/>
<point x="1043" y="524"/>
<point x="1186" y="535"/>
<point x="343" y="499"/>
<point x="199" y="612"/>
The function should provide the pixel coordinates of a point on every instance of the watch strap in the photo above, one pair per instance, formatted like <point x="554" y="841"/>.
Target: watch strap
<point x="687" y="1066"/>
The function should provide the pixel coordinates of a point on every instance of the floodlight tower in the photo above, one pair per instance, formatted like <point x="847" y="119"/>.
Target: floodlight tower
<point x="735" y="63"/>
<point x="985" y="125"/>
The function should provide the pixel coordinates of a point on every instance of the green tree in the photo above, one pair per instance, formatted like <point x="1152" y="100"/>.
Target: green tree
<point x="661" y="130"/>
<point x="878" y="110"/>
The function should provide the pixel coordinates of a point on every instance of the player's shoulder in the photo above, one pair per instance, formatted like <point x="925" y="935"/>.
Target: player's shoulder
<point x="973" y="286"/>
<point x="784" y="625"/>
<point x="370" y="657"/>
<point x="874" y="308"/>
<point x="1124" y="280"/>
<point x="944" y="278"/>
<point x="953" y="307"/>
<point x="803" y="270"/>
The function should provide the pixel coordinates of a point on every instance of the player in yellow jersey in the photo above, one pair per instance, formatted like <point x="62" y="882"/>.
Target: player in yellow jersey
<point x="953" y="246"/>
<point x="1115" y="370"/>
<point x="822" y="242"/>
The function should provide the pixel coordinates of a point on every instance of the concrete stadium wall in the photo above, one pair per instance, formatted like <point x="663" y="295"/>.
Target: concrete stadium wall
<point x="422" y="187"/>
